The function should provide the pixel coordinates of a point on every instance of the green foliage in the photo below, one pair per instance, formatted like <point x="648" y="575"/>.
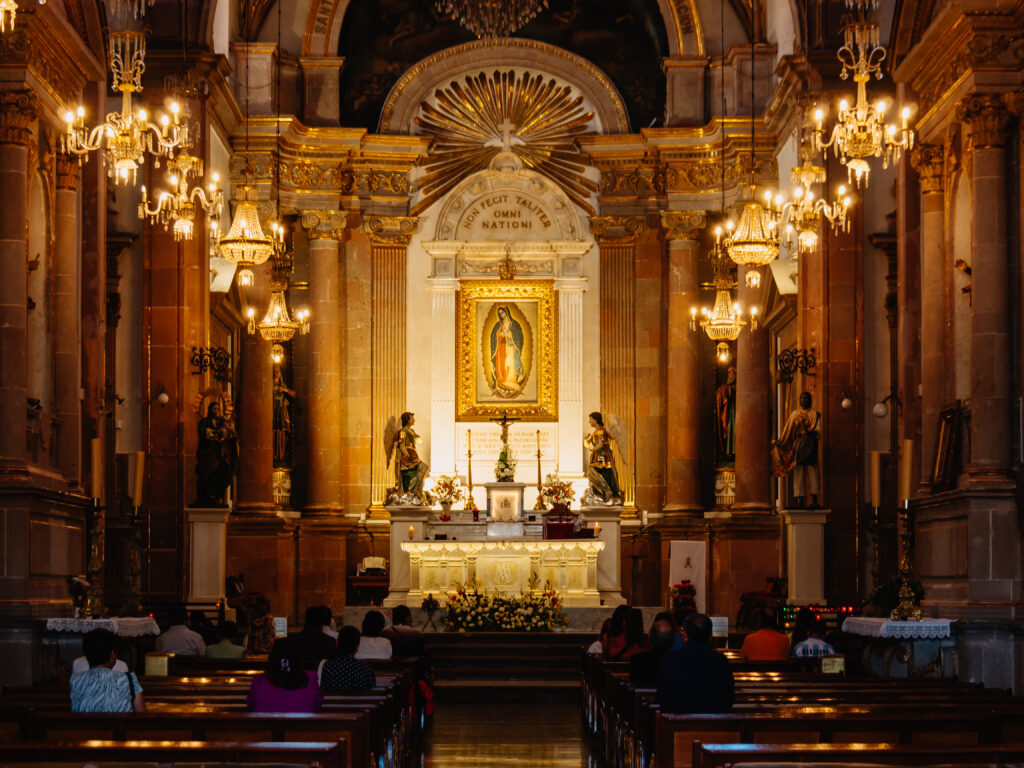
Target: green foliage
<point x="533" y="610"/>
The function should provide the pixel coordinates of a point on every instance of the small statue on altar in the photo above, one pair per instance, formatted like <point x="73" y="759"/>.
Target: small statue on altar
<point x="216" y="456"/>
<point x="604" y="480"/>
<point x="410" y="469"/>
<point x="796" y="450"/>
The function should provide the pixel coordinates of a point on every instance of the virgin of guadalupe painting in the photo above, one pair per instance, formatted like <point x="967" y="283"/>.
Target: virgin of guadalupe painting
<point x="507" y="372"/>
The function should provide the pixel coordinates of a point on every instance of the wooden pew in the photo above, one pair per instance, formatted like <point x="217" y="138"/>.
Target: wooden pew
<point x="722" y="755"/>
<point x="312" y="754"/>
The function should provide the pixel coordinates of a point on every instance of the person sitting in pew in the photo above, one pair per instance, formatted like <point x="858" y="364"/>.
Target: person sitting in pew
<point x="178" y="638"/>
<point x="644" y="667"/>
<point x="101" y="688"/>
<point x="613" y="632"/>
<point x="285" y="686"/>
<point x="767" y="644"/>
<point x="200" y="623"/>
<point x="344" y="671"/>
<point x="315" y="644"/>
<point x="226" y="648"/>
<point x="815" y="644"/>
<point x="695" y="679"/>
<point x="634" y="638"/>
<point x="372" y="645"/>
<point x="80" y="664"/>
<point x="406" y="641"/>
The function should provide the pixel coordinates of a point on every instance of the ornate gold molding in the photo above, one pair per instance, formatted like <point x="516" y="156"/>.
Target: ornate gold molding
<point x="987" y="120"/>
<point x="390" y="230"/>
<point x="635" y="182"/>
<point x="67" y="172"/>
<point x="18" y="111"/>
<point x="1015" y="103"/>
<point x="616" y="230"/>
<point x="929" y="161"/>
<point x="324" y="225"/>
<point x="683" y="225"/>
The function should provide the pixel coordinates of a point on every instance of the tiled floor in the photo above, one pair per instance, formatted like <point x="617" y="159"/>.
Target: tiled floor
<point x="495" y="733"/>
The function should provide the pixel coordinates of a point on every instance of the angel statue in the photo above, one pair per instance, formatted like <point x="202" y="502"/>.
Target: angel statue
<point x="410" y="469"/>
<point x="604" y="482"/>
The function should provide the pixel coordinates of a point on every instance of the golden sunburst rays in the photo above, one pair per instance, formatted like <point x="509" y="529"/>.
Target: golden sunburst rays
<point x="474" y="120"/>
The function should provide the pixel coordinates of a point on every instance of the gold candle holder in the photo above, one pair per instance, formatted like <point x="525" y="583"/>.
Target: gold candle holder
<point x="907" y="608"/>
<point x="470" y="502"/>
<point x="539" y="506"/>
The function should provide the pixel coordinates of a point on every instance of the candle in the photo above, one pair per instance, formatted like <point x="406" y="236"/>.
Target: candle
<point x="906" y="465"/>
<point x="538" y="441"/>
<point x="469" y="441"/>
<point x="597" y="530"/>
<point x="97" y="468"/>
<point x="412" y="531"/>
<point x="140" y="475"/>
<point x="876" y="479"/>
<point x="644" y="517"/>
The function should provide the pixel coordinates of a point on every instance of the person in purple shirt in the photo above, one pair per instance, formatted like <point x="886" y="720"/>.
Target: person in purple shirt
<point x="285" y="686"/>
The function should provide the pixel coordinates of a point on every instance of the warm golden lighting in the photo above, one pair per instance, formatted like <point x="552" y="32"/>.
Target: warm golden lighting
<point x="277" y="324"/>
<point x="178" y="208"/>
<point x="724" y="321"/>
<point x="277" y="354"/>
<point x="491" y="18"/>
<point x="245" y="244"/>
<point x="803" y="214"/>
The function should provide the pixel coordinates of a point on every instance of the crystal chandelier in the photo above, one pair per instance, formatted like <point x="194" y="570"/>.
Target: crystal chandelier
<point x="754" y="242"/>
<point x="8" y="14"/>
<point x="724" y="321"/>
<point x="178" y="208"/>
<point x="245" y="244"/>
<point x="804" y="212"/>
<point x="126" y="137"/>
<point x="277" y="324"/>
<point x="860" y="131"/>
<point x="491" y="18"/>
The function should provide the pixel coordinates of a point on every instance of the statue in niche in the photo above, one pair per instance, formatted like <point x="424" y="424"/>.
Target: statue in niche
<point x="216" y="456"/>
<point x="507" y="369"/>
<point x="410" y="469"/>
<point x="283" y="399"/>
<point x="604" y="480"/>
<point x="796" y="450"/>
<point x="725" y="414"/>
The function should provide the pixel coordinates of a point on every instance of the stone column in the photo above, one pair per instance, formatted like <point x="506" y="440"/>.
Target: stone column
<point x="986" y="119"/>
<point x="682" y="455"/>
<point x="389" y="243"/>
<point x="443" y="438"/>
<point x="571" y="424"/>
<point x="68" y="362"/>
<point x="17" y="114"/>
<point x="324" y="229"/>
<point x="255" y="410"/>
<point x="927" y="160"/>
<point x="617" y="237"/>
<point x="753" y="404"/>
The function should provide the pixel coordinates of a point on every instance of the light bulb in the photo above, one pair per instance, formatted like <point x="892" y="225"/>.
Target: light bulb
<point x="819" y="115"/>
<point x="881" y="107"/>
<point x="906" y="112"/>
<point x="81" y="111"/>
<point x="69" y="117"/>
<point x="142" y="115"/>
<point x="843" y="106"/>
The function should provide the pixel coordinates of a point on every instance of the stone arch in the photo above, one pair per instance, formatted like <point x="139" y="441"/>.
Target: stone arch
<point x="450" y="64"/>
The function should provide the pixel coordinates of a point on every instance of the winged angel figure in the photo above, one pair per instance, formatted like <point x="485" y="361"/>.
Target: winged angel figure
<point x="604" y="480"/>
<point x="410" y="470"/>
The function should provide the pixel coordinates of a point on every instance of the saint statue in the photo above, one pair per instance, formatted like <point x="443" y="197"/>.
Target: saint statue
<point x="604" y="481"/>
<point x="725" y="413"/>
<point x="216" y="456"/>
<point x="283" y="397"/>
<point x="410" y="469"/>
<point x="797" y="450"/>
<point x="507" y="370"/>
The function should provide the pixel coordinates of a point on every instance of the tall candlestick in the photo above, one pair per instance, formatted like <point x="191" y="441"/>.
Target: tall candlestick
<point x="96" y="457"/>
<point x="539" y="505"/>
<point x="140" y="476"/>
<point x="876" y="479"/>
<point x="470" y="501"/>
<point x="906" y="464"/>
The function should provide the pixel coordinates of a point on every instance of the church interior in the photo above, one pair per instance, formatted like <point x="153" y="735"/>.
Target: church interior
<point x="377" y="303"/>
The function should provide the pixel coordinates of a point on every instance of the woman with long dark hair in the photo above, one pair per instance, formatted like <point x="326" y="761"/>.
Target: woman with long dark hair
<point x="634" y="637"/>
<point x="285" y="686"/>
<point x="613" y="634"/>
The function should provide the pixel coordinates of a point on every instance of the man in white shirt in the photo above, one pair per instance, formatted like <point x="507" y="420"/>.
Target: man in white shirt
<point x="178" y="638"/>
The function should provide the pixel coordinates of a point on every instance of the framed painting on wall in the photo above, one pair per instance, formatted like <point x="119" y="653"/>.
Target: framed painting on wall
<point x="506" y="350"/>
<point x="947" y="449"/>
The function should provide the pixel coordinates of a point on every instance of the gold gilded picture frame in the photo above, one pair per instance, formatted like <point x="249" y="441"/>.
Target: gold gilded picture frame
<point x="506" y="350"/>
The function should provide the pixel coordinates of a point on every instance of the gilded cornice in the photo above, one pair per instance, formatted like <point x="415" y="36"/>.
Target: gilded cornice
<point x="987" y="119"/>
<point x="683" y="225"/>
<point x="929" y="161"/>
<point x="390" y="230"/>
<point x="324" y="225"/>
<point x="633" y="182"/>
<point x="18" y="110"/>
<point x="616" y="230"/>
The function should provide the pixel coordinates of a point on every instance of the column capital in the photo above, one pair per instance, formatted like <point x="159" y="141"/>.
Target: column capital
<point x="616" y="230"/>
<point x="987" y="118"/>
<point x="571" y="284"/>
<point x="928" y="160"/>
<point x="683" y="225"/>
<point x="442" y="285"/>
<point x="324" y="225"/>
<point x="1015" y="103"/>
<point x="67" y="171"/>
<point x="17" y="113"/>
<point x="390" y="230"/>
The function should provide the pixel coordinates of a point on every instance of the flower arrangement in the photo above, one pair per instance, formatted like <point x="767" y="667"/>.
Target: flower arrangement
<point x="557" y="493"/>
<point x="505" y="468"/>
<point x="534" y="610"/>
<point x="682" y="597"/>
<point x="447" y="490"/>
<point x="77" y="587"/>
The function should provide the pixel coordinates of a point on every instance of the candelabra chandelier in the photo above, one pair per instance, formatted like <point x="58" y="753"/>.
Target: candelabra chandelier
<point x="126" y="137"/>
<point x="245" y="244"/>
<point x="491" y="18"/>
<point x="754" y="241"/>
<point x="178" y="208"/>
<point x="803" y="214"/>
<point x="724" y="321"/>
<point x="277" y="324"/>
<point x="9" y="13"/>
<point x="860" y="131"/>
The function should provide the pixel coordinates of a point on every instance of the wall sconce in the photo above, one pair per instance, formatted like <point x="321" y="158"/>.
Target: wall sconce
<point x="846" y="403"/>
<point x="162" y="397"/>
<point x="881" y="410"/>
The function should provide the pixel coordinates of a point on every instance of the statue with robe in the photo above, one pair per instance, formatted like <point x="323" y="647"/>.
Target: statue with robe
<point x="797" y="449"/>
<point x="725" y="414"/>
<point x="410" y="469"/>
<point x="604" y="480"/>
<point x="216" y="456"/>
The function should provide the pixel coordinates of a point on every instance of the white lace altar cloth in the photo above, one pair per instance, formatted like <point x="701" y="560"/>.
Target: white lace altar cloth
<point x="926" y="629"/>
<point x="130" y="626"/>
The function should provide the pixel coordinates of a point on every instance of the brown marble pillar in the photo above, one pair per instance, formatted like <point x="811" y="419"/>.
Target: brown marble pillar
<point x="324" y="230"/>
<point x="68" y="361"/>
<point x="682" y="455"/>
<point x="617" y="237"/>
<point x="17" y="114"/>
<point x="986" y="119"/>
<point x="389" y="243"/>
<point x="753" y="401"/>
<point x="255" y="409"/>
<point x="927" y="160"/>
